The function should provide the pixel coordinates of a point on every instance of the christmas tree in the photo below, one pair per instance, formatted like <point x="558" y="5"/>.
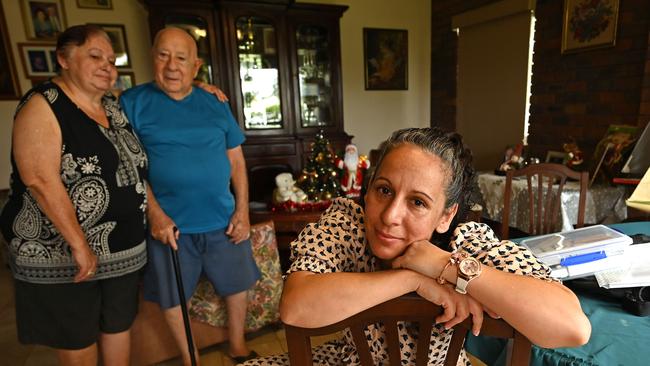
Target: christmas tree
<point x="319" y="178"/>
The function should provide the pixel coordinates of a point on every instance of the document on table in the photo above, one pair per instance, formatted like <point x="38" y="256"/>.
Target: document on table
<point x="635" y="275"/>
<point x="640" y="198"/>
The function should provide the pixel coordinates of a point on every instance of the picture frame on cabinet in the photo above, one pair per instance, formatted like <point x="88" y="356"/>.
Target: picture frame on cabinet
<point x="43" y="19"/>
<point x="589" y="24"/>
<point x="117" y="34"/>
<point x="269" y="41"/>
<point x="9" y="86"/>
<point x="95" y="4"/>
<point x="556" y="157"/>
<point x="385" y="56"/>
<point x="38" y="59"/>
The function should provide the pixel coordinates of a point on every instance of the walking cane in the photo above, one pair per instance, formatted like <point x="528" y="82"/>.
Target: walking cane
<point x="181" y="295"/>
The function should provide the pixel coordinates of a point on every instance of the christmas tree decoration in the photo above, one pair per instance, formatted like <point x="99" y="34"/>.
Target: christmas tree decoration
<point x="319" y="179"/>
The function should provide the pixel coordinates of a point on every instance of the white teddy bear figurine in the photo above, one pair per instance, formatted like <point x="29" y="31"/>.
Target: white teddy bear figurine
<point x="286" y="190"/>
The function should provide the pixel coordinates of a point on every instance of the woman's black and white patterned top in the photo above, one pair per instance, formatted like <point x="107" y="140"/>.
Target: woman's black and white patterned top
<point x="337" y="243"/>
<point x="102" y="169"/>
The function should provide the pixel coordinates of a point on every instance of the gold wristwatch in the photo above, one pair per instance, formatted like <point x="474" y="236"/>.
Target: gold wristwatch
<point x="468" y="269"/>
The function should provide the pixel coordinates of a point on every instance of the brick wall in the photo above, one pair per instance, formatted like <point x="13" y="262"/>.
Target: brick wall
<point x="577" y="94"/>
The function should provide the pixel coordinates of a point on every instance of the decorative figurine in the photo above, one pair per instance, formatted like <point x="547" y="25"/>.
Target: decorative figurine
<point x="512" y="158"/>
<point x="574" y="153"/>
<point x="354" y="166"/>
<point x="286" y="190"/>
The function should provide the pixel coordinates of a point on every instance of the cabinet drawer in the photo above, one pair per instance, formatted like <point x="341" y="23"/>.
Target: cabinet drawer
<point x="269" y="149"/>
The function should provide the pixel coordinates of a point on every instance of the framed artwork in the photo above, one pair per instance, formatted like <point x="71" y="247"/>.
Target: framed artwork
<point x="95" y="4"/>
<point x="589" y="24"/>
<point x="43" y="19"/>
<point x="39" y="59"/>
<point x="556" y="157"/>
<point x="385" y="58"/>
<point x="117" y="34"/>
<point x="9" y="87"/>
<point x="124" y="80"/>
<point x="611" y="151"/>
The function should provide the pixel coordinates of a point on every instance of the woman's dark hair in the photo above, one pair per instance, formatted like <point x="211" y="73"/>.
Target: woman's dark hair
<point x="76" y="36"/>
<point x="449" y="147"/>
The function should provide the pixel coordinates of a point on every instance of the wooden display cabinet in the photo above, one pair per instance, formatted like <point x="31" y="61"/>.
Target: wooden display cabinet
<point x="280" y="64"/>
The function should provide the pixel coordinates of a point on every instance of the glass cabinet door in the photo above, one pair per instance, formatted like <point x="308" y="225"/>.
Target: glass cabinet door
<point x="314" y="73"/>
<point x="259" y="73"/>
<point x="197" y="27"/>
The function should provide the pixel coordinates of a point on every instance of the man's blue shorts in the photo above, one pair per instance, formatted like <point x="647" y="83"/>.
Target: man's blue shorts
<point x="230" y="267"/>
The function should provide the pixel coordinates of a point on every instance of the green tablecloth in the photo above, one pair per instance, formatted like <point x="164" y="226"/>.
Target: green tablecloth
<point x="617" y="337"/>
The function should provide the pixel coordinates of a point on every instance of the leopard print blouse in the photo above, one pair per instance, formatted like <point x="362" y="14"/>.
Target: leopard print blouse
<point x="337" y="243"/>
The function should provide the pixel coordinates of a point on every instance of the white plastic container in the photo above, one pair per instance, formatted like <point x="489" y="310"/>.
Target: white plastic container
<point x="579" y="246"/>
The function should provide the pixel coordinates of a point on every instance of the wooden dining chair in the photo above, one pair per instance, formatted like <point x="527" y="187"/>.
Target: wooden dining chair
<point x="411" y="308"/>
<point x="545" y="185"/>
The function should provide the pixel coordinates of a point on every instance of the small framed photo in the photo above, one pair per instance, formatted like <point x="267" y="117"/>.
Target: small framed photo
<point x="9" y="86"/>
<point x="95" y="4"/>
<point x="385" y="56"/>
<point x="43" y="19"/>
<point x="269" y="41"/>
<point x="125" y="80"/>
<point x="589" y="24"/>
<point x="39" y="59"/>
<point x="556" y="157"/>
<point x="117" y="34"/>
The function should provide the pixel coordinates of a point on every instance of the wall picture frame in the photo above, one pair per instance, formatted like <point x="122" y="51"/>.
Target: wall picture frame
<point x="125" y="80"/>
<point x="95" y="4"/>
<point x="117" y="34"/>
<point x="589" y="24"/>
<point x="9" y="86"/>
<point x="43" y="19"/>
<point x="385" y="58"/>
<point x="38" y="59"/>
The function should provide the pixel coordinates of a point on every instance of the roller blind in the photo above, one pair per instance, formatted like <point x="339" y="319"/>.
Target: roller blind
<point x="493" y="85"/>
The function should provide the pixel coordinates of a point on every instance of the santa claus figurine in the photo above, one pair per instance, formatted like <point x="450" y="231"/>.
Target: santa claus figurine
<point x="353" y="167"/>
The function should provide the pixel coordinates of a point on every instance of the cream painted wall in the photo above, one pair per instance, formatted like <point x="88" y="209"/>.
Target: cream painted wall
<point x="128" y="12"/>
<point x="370" y="116"/>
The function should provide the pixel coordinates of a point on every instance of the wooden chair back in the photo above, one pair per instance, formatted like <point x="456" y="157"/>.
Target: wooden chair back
<point x="414" y="309"/>
<point x="545" y="185"/>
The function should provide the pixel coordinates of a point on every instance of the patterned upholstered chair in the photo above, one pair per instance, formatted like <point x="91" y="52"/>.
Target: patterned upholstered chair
<point x="151" y="340"/>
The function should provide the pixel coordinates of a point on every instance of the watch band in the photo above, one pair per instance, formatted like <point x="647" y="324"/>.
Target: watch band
<point x="461" y="285"/>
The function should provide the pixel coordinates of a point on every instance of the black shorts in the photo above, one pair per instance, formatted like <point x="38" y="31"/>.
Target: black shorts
<point x="72" y="315"/>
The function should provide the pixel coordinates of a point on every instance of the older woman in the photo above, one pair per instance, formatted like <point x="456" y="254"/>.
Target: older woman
<point x="74" y="221"/>
<point x="356" y="257"/>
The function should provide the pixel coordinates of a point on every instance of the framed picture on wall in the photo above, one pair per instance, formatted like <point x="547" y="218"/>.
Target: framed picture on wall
<point x="117" y="34"/>
<point x="38" y="59"/>
<point x="589" y="24"/>
<point x="43" y="19"/>
<point x="95" y="4"/>
<point x="385" y="58"/>
<point x="124" y="80"/>
<point x="9" y="87"/>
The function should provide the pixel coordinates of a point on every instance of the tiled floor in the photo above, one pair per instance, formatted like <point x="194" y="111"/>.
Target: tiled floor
<point x="266" y="342"/>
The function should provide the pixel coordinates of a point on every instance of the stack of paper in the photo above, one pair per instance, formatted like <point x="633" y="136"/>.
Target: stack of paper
<point x="636" y="273"/>
<point x="640" y="198"/>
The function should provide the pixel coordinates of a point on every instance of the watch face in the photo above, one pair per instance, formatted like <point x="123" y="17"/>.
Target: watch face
<point x="470" y="266"/>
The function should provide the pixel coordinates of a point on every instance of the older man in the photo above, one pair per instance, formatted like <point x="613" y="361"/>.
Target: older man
<point x="193" y="143"/>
